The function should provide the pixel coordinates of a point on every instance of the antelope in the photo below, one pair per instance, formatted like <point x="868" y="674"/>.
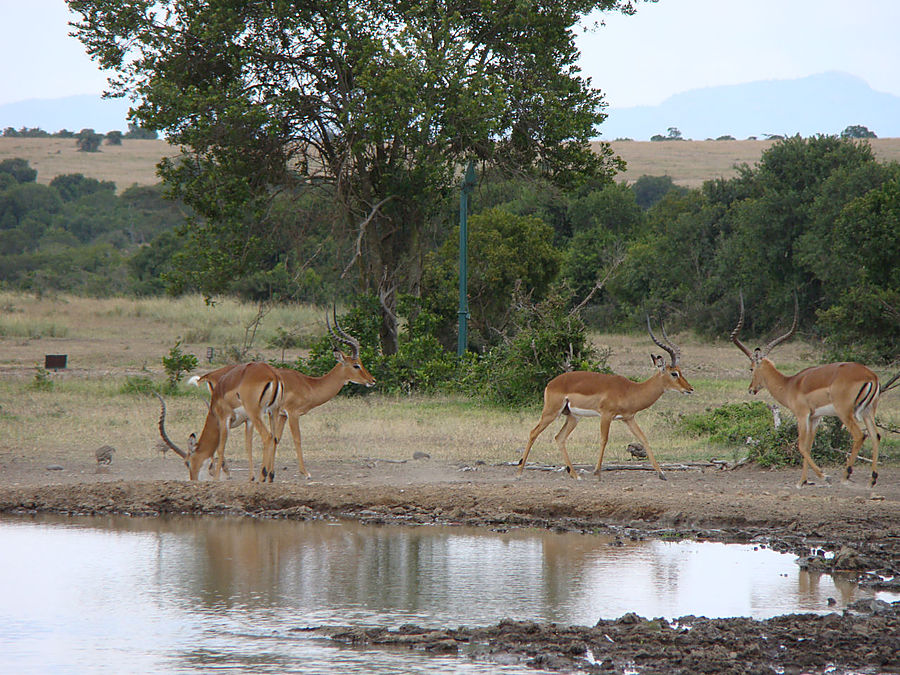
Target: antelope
<point x="610" y="397"/>
<point x="302" y="392"/>
<point x="250" y="390"/>
<point x="848" y="391"/>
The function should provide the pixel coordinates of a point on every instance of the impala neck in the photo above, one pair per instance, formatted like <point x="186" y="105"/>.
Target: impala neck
<point x="773" y="380"/>
<point x="647" y="393"/>
<point x="331" y="382"/>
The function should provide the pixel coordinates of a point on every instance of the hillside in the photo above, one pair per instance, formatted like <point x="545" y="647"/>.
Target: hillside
<point x="689" y="163"/>
<point x="824" y="103"/>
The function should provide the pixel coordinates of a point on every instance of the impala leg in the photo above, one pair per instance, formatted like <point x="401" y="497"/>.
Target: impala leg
<point x="639" y="434"/>
<point x="567" y="428"/>
<point x="869" y="420"/>
<point x="858" y="437"/>
<point x="807" y="432"/>
<point x="294" y="423"/>
<point x="546" y="419"/>
<point x="248" y="445"/>
<point x="267" y="471"/>
<point x="605" y="421"/>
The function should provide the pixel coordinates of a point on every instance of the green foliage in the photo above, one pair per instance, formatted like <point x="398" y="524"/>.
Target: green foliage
<point x="546" y="339"/>
<point x="142" y="385"/>
<point x="505" y="251"/>
<point x="75" y="185"/>
<point x="857" y="131"/>
<point x="177" y="364"/>
<point x="751" y="425"/>
<point x="42" y="380"/>
<point x="19" y="169"/>
<point x="649" y="190"/>
<point x="88" y="140"/>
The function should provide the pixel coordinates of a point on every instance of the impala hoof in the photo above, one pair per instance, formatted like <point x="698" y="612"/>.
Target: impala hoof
<point x="874" y="479"/>
<point x="662" y="476"/>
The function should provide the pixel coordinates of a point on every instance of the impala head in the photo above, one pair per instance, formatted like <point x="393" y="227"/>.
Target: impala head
<point x="759" y="356"/>
<point x="355" y="370"/>
<point x="191" y="460"/>
<point x="672" y="377"/>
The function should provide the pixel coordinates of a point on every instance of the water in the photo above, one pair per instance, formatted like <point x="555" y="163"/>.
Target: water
<point x="186" y="595"/>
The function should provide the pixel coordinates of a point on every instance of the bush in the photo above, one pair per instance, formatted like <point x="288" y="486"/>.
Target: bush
<point x="140" y="384"/>
<point x="546" y="339"/>
<point x="750" y="425"/>
<point x="177" y="364"/>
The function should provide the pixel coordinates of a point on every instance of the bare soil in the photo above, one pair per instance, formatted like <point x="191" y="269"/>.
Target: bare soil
<point x="744" y="504"/>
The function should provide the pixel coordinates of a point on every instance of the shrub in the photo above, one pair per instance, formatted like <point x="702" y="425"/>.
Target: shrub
<point x="177" y="364"/>
<point x="546" y="339"/>
<point x="750" y="425"/>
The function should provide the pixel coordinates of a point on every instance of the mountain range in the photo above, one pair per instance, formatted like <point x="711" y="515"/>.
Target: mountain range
<point x="826" y="103"/>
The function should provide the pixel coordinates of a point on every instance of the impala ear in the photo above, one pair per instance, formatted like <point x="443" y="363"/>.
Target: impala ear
<point x="658" y="361"/>
<point x="192" y="443"/>
<point x="338" y="355"/>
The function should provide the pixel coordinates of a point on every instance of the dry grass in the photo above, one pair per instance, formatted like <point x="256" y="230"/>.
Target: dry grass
<point x="132" y="163"/>
<point x="689" y="163"/>
<point x="110" y="340"/>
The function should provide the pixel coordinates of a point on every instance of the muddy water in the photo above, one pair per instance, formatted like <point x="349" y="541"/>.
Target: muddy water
<point x="164" y="595"/>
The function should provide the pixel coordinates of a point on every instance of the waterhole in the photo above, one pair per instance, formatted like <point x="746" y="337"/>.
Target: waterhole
<point x="182" y="594"/>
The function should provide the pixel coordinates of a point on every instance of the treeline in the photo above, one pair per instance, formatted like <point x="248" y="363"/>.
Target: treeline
<point x="819" y="217"/>
<point x="77" y="235"/>
<point x="134" y="132"/>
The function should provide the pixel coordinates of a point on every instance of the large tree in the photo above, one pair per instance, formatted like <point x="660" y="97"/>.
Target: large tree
<point x="384" y="100"/>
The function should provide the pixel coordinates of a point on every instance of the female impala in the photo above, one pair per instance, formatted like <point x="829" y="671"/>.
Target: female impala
<point x="252" y="390"/>
<point x="609" y="397"/>
<point x="848" y="391"/>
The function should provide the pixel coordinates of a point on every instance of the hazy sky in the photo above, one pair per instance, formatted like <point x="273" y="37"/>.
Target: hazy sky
<point x="666" y="48"/>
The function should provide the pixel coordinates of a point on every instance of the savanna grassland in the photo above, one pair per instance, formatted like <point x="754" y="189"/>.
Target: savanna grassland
<point x="689" y="163"/>
<point x="109" y="342"/>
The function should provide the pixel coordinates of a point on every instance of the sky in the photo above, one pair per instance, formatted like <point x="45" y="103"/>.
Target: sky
<point x="666" y="48"/>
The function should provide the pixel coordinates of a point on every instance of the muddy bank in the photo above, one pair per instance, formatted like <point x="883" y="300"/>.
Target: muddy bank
<point x="866" y="637"/>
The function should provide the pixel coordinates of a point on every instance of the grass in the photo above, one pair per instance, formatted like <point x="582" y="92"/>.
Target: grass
<point x="109" y="341"/>
<point x="689" y="163"/>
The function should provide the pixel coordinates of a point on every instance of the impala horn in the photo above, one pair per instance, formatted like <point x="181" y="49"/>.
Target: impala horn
<point x="787" y="336"/>
<point x="162" y="429"/>
<point x="341" y="335"/>
<point x="674" y="352"/>
<point x="737" y="329"/>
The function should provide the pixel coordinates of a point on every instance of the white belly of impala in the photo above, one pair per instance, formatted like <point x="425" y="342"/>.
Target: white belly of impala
<point x="824" y="411"/>
<point x="583" y="412"/>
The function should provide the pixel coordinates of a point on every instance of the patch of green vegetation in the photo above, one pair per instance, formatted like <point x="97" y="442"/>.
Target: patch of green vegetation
<point x="751" y="425"/>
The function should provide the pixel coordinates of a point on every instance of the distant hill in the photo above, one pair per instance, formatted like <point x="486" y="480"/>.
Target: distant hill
<point x="819" y="104"/>
<point x="85" y="111"/>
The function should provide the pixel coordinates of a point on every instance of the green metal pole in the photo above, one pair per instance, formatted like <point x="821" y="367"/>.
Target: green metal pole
<point x="463" y="313"/>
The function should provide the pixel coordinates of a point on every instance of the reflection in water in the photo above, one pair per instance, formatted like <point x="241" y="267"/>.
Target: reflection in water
<point x="182" y="594"/>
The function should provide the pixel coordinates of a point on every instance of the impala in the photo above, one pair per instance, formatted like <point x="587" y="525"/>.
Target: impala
<point x="848" y="391"/>
<point x="302" y="392"/>
<point x="251" y="390"/>
<point x="610" y="397"/>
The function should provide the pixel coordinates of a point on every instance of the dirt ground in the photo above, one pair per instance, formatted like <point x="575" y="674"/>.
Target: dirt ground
<point x="861" y="526"/>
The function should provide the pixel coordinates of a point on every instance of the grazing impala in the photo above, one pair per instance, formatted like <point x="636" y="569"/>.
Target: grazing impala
<point x="848" y="391"/>
<point x="251" y="390"/>
<point x="302" y="392"/>
<point x="609" y="397"/>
